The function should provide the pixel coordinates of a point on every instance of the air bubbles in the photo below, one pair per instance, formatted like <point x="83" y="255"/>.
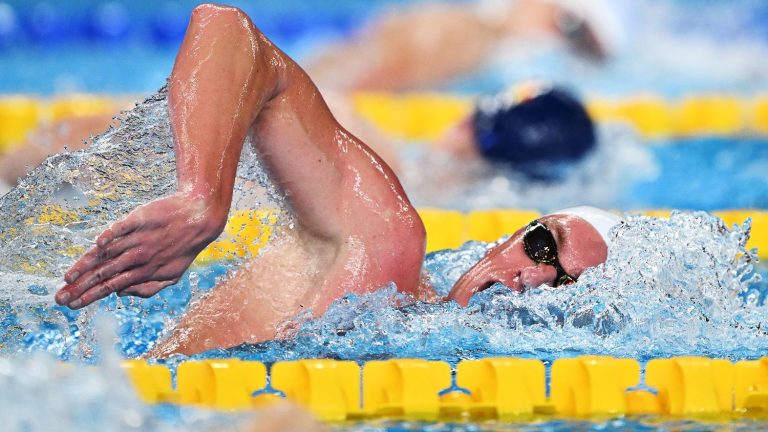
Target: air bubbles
<point x="39" y="290"/>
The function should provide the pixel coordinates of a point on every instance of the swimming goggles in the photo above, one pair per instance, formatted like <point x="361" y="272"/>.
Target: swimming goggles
<point x="577" y="32"/>
<point x="540" y="246"/>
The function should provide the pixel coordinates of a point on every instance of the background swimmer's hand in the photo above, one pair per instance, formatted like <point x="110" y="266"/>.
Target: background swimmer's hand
<point x="145" y="252"/>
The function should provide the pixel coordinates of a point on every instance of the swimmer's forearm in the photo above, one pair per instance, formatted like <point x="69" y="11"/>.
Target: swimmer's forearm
<point x="219" y="83"/>
<point x="454" y="37"/>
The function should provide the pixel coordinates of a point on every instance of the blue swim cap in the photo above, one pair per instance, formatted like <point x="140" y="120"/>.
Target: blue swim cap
<point x="543" y="127"/>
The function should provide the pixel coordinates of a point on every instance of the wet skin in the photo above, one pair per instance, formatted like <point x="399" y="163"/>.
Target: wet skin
<point x="356" y="227"/>
<point x="579" y="247"/>
<point x="356" y="231"/>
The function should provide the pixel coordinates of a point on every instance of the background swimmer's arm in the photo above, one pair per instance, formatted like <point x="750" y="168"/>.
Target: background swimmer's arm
<point x="48" y="140"/>
<point x="414" y="47"/>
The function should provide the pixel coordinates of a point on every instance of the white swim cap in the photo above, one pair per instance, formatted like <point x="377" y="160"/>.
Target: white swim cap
<point x="600" y="219"/>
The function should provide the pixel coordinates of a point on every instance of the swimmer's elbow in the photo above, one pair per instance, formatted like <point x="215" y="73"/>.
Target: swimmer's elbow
<point x="229" y="17"/>
<point x="238" y="27"/>
<point x="208" y="11"/>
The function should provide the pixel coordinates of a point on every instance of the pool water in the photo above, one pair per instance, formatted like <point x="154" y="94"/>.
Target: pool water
<point x="680" y="287"/>
<point x="696" y="173"/>
<point x="688" y="272"/>
<point x="610" y="311"/>
<point x="662" y="275"/>
<point x="705" y="174"/>
<point x="48" y="48"/>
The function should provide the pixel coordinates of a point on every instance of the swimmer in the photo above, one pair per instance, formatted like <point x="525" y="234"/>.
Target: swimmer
<point x="432" y="42"/>
<point x="526" y="128"/>
<point x="356" y="229"/>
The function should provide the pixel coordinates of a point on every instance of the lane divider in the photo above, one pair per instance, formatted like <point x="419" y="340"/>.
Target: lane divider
<point x="20" y="115"/>
<point x="427" y="116"/>
<point x="490" y="388"/>
<point x="246" y="232"/>
<point x="249" y="230"/>
<point x="501" y="387"/>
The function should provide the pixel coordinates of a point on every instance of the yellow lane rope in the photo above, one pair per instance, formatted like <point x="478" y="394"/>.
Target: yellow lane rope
<point x="426" y="116"/>
<point x="491" y="388"/>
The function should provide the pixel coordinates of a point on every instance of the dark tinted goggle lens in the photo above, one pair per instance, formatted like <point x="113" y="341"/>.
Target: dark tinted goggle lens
<point x="540" y="246"/>
<point x="539" y="243"/>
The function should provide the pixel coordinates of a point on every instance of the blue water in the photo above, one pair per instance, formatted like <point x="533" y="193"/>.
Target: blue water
<point x="611" y="425"/>
<point x="496" y="323"/>
<point x="58" y="50"/>
<point x="705" y="174"/>
<point x="129" y="47"/>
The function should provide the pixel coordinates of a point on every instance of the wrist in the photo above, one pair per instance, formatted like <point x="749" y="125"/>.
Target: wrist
<point x="210" y="210"/>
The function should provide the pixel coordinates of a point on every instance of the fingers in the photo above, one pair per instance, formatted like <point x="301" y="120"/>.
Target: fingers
<point x="147" y="289"/>
<point x="117" y="230"/>
<point x="132" y="259"/>
<point x="104" y="249"/>
<point x="99" y="255"/>
<point x="101" y="290"/>
<point x="85" y="263"/>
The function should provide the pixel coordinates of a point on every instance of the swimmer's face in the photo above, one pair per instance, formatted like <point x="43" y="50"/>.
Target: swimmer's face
<point x="579" y="247"/>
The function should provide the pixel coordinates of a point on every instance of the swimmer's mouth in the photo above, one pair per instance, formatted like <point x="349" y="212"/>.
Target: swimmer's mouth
<point x="491" y="283"/>
<point x="485" y="286"/>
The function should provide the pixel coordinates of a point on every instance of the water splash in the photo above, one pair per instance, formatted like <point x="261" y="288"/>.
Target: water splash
<point x="56" y="212"/>
<point x="681" y="286"/>
<point x="434" y="179"/>
<point x="39" y="393"/>
<point x="689" y="272"/>
<point x="617" y="424"/>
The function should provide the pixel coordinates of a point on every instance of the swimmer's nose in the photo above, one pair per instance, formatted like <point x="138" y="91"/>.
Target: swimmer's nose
<point x="533" y="277"/>
<point x="479" y="278"/>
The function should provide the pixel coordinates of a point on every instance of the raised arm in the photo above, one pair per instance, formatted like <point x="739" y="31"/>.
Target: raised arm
<point x="228" y="81"/>
<point x="416" y="46"/>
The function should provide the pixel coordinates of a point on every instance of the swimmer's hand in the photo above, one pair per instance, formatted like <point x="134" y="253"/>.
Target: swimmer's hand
<point x="145" y="252"/>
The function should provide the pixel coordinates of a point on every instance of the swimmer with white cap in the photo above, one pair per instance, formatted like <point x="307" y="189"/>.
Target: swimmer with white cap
<point x="553" y="249"/>
<point x="355" y="232"/>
